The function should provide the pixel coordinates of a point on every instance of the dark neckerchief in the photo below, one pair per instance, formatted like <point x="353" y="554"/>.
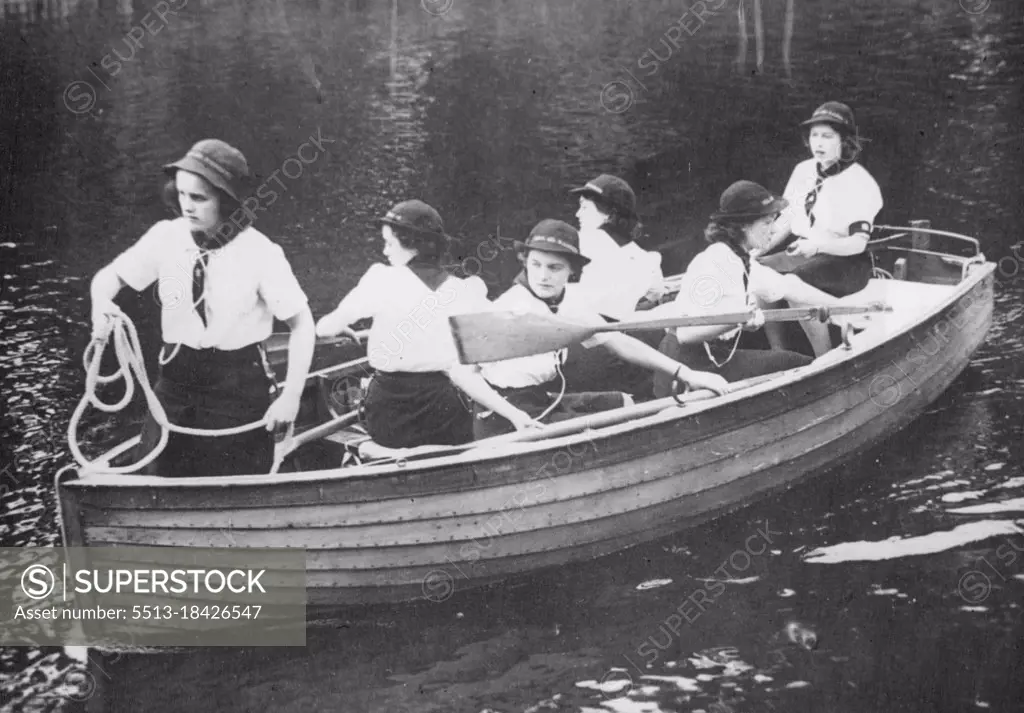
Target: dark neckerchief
<point x="205" y="243"/>
<point x="744" y="258"/>
<point x="431" y="274"/>
<point x="834" y="170"/>
<point x="550" y="302"/>
<point x="617" y="234"/>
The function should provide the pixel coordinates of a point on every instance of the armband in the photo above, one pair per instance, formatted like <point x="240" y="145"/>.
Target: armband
<point x="861" y="226"/>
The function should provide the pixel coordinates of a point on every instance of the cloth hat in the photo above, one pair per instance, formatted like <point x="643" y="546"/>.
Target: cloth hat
<point x="222" y="165"/>
<point x="611" y="191"/>
<point x="554" y="236"/>
<point x="836" y="114"/>
<point x="417" y="217"/>
<point x="747" y="200"/>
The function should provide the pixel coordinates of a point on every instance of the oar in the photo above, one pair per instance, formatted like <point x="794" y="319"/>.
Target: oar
<point x="278" y="341"/>
<point x="590" y="421"/>
<point x="494" y="336"/>
<point x="317" y="432"/>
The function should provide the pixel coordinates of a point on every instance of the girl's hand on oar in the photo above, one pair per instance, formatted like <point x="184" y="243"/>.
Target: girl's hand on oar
<point x="349" y="333"/>
<point x="755" y="322"/>
<point x="522" y="420"/>
<point x="282" y="412"/>
<point x="703" y="380"/>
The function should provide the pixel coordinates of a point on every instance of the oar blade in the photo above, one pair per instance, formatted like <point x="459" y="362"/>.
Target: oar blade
<point x="494" y="336"/>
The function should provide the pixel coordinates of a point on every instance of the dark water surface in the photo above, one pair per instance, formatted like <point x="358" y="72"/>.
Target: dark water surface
<point x="490" y="110"/>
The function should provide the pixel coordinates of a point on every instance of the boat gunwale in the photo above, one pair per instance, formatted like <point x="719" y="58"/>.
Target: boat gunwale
<point x="940" y="370"/>
<point x="868" y="343"/>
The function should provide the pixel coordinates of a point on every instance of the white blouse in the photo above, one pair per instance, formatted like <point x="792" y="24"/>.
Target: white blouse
<point x="851" y="196"/>
<point x="713" y="282"/>
<point x="410" y="329"/>
<point x="539" y="368"/>
<point x="617" y="277"/>
<point x="248" y="283"/>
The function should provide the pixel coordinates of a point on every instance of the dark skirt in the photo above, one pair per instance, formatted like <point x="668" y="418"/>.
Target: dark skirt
<point x="210" y="388"/>
<point x="597" y="369"/>
<point x="535" y="400"/>
<point x="744" y="364"/>
<point x="407" y="409"/>
<point x="838" y="275"/>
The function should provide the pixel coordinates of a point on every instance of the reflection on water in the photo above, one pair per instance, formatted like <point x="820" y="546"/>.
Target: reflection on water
<point x="894" y="584"/>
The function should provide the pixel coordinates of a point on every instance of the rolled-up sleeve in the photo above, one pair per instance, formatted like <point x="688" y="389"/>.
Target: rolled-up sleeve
<point x="713" y="282"/>
<point x="863" y="204"/>
<point x="139" y="265"/>
<point x="279" y="288"/>
<point x="767" y="284"/>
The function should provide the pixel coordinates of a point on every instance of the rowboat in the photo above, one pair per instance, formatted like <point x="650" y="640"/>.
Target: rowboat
<point x="381" y="526"/>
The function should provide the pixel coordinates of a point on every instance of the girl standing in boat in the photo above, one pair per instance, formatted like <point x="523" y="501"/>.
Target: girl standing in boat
<point x="620" y="272"/>
<point x="723" y="278"/>
<point x="833" y="202"/>
<point x="413" y="398"/>
<point x="551" y="255"/>
<point x="221" y="286"/>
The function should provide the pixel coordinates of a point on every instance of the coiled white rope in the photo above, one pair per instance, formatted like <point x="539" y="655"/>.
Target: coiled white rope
<point x="130" y="361"/>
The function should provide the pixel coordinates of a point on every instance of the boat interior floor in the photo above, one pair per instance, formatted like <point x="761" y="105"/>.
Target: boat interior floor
<point x="907" y="299"/>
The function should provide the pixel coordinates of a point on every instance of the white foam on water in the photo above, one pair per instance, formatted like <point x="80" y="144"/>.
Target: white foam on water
<point x="681" y="682"/>
<point x="624" y="705"/>
<point x="948" y="484"/>
<point x="786" y="592"/>
<point x="1013" y="505"/>
<point x="735" y="668"/>
<point x="702" y="662"/>
<point x="1012" y="483"/>
<point x="606" y="686"/>
<point x="960" y="497"/>
<point x="934" y="476"/>
<point x="995" y="466"/>
<point x="896" y="546"/>
<point x="798" y="684"/>
<point x="738" y="580"/>
<point x="885" y="592"/>
<point x="967" y="608"/>
<point x="652" y="583"/>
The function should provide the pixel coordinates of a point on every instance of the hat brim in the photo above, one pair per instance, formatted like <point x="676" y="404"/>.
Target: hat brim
<point x="440" y="237"/>
<point x="591" y="193"/>
<point x="837" y="125"/>
<point x="545" y="246"/>
<point x="776" y="206"/>
<point x="193" y="166"/>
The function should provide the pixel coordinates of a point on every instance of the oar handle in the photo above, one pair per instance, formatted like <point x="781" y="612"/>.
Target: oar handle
<point x="278" y="341"/>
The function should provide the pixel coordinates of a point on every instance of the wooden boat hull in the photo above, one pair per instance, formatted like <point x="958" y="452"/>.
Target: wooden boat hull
<point x="432" y="527"/>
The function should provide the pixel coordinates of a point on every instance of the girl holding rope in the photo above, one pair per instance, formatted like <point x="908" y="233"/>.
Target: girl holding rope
<point x="221" y="286"/>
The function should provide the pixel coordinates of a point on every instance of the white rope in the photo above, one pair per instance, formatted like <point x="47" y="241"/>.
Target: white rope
<point x="561" y="392"/>
<point x="130" y="361"/>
